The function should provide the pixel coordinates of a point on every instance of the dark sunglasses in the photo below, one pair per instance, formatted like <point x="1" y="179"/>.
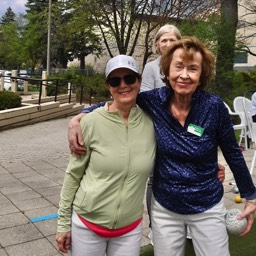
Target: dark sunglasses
<point x="116" y="81"/>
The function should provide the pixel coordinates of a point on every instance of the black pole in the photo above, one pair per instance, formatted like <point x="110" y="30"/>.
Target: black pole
<point x="40" y="92"/>
<point x="56" y="90"/>
<point x="81" y="94"/>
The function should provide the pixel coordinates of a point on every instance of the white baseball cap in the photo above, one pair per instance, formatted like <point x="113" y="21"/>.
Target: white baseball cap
<point x="121" y="61"/>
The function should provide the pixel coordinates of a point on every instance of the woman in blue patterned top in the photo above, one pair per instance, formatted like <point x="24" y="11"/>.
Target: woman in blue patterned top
<point x="190" y="124"/>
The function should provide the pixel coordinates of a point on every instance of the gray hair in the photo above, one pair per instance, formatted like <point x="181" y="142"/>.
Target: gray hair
<point x="162" y="30"/>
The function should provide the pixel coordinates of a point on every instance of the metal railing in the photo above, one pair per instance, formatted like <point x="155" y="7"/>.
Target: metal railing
<point x="44" y="82"/>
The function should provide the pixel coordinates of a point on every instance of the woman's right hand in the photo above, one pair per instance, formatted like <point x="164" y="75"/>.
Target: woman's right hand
<point x="63" y="240"/>
<point x="75" y="138"/>
<point x="248" y="213"/>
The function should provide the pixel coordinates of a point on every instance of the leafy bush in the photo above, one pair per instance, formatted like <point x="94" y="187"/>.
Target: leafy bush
<point x="9" y="100"/>
<point x="244" y="81"/>
<point x="93" y="87"/>
<point x="243" y="85"/>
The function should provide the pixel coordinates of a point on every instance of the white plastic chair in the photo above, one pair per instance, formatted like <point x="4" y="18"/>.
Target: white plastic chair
<point x="248" y="115"/>
<point x="242" y="107"/>
<point x="229" y="109"/>
<point x="254" y="142"/>
<point x="251" y="128"/>
<point x="240" y="126"/>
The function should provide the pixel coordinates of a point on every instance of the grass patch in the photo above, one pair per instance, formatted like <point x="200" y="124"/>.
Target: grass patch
<point x="239" y="246"/>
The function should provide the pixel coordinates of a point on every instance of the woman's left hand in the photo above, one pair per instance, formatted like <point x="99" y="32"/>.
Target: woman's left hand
<point x="63" y="240"/>
<point x="221" y="172"/>
<point x="248" y="213"/>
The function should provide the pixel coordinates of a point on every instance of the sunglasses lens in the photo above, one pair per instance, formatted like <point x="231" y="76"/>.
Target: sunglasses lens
<point x="116" y="81"/>
<point x="130" y="79"/>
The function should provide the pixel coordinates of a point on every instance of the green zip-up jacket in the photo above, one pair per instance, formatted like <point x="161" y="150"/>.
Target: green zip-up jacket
<point x="107" y="185"/>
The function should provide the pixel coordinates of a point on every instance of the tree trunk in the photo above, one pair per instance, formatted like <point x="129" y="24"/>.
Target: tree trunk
<point x="226" y="46"/>
<point x="82" y="61"/>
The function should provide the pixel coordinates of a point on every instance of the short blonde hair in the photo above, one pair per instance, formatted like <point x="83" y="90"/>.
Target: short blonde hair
<point x="162" y="30"/>
<point x="190" y="46"/>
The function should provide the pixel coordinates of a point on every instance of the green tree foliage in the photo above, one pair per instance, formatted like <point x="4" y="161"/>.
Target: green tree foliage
<point x="34" y="36"/>
<point x="8" y="17"/>
<point x="226" y="45"/>
<point x="79" y="37"/>
<point x="205" y="30"/>
<point x="35" y="32"/>
<point x="11" y="41"/>
<point x="70" y="38"/>
<point x="243" y="82"/>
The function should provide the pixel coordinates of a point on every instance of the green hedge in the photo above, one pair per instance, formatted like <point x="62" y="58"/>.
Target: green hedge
<point x="9" y="100"/>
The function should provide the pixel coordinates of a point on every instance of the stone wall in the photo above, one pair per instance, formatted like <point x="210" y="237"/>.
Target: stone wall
<point x="31" y="112"/>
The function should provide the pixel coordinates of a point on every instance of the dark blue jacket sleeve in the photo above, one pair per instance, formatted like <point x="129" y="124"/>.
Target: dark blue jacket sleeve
<point x="93" y="107"/>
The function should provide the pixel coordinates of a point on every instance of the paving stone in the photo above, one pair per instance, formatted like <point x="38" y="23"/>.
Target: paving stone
<point x="59" y="162"/>
<point x="13" y="219"/>
<point x="40" y="164"/>
<point x="41" y="212"/>
<point x="8" y="208"/>
<point x="14" y="167"/>
<point x="47" y="227"/>
<point x="38" y="181"/>
<point x="44" y="170"/>
<point x="24" y="174"/>
<point x="14" y="187"/>
<point x="3" y="199"/>
<point x="29" y="194"/>
<point x="7" y="180"/>
<point x="41" y="247"/>
<point x="52" y="240"/>
<point x="49" y="191"/>
<point x="3" y="252"/>
<point x="33" y="203"/>
<point x="19" y="234"/>
<point x="3" y="170"/>
<point x="7" y="177"/>
<point x="54" y="199"/>
<point x="54" y="174"/>
<point x="228" y="175"/>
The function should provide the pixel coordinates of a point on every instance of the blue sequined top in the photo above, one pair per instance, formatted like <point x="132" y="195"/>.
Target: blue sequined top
<point x="185" y="175"/>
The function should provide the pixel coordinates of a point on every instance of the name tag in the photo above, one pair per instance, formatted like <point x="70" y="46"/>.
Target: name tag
<point x="196" y="130"/>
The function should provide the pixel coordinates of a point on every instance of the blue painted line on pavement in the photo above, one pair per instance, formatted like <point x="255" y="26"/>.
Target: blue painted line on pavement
<point x="45" y="217"/>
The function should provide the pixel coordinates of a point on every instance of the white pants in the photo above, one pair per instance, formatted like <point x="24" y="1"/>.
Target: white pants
<point x="87" y="243"/>
<point x="208" y="231"/>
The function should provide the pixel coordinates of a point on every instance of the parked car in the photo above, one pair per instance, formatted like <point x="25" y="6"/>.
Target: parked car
<point x="7" y="80"/>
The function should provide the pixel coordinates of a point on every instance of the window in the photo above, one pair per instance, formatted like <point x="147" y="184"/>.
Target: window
<point x="241" y="57"/>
